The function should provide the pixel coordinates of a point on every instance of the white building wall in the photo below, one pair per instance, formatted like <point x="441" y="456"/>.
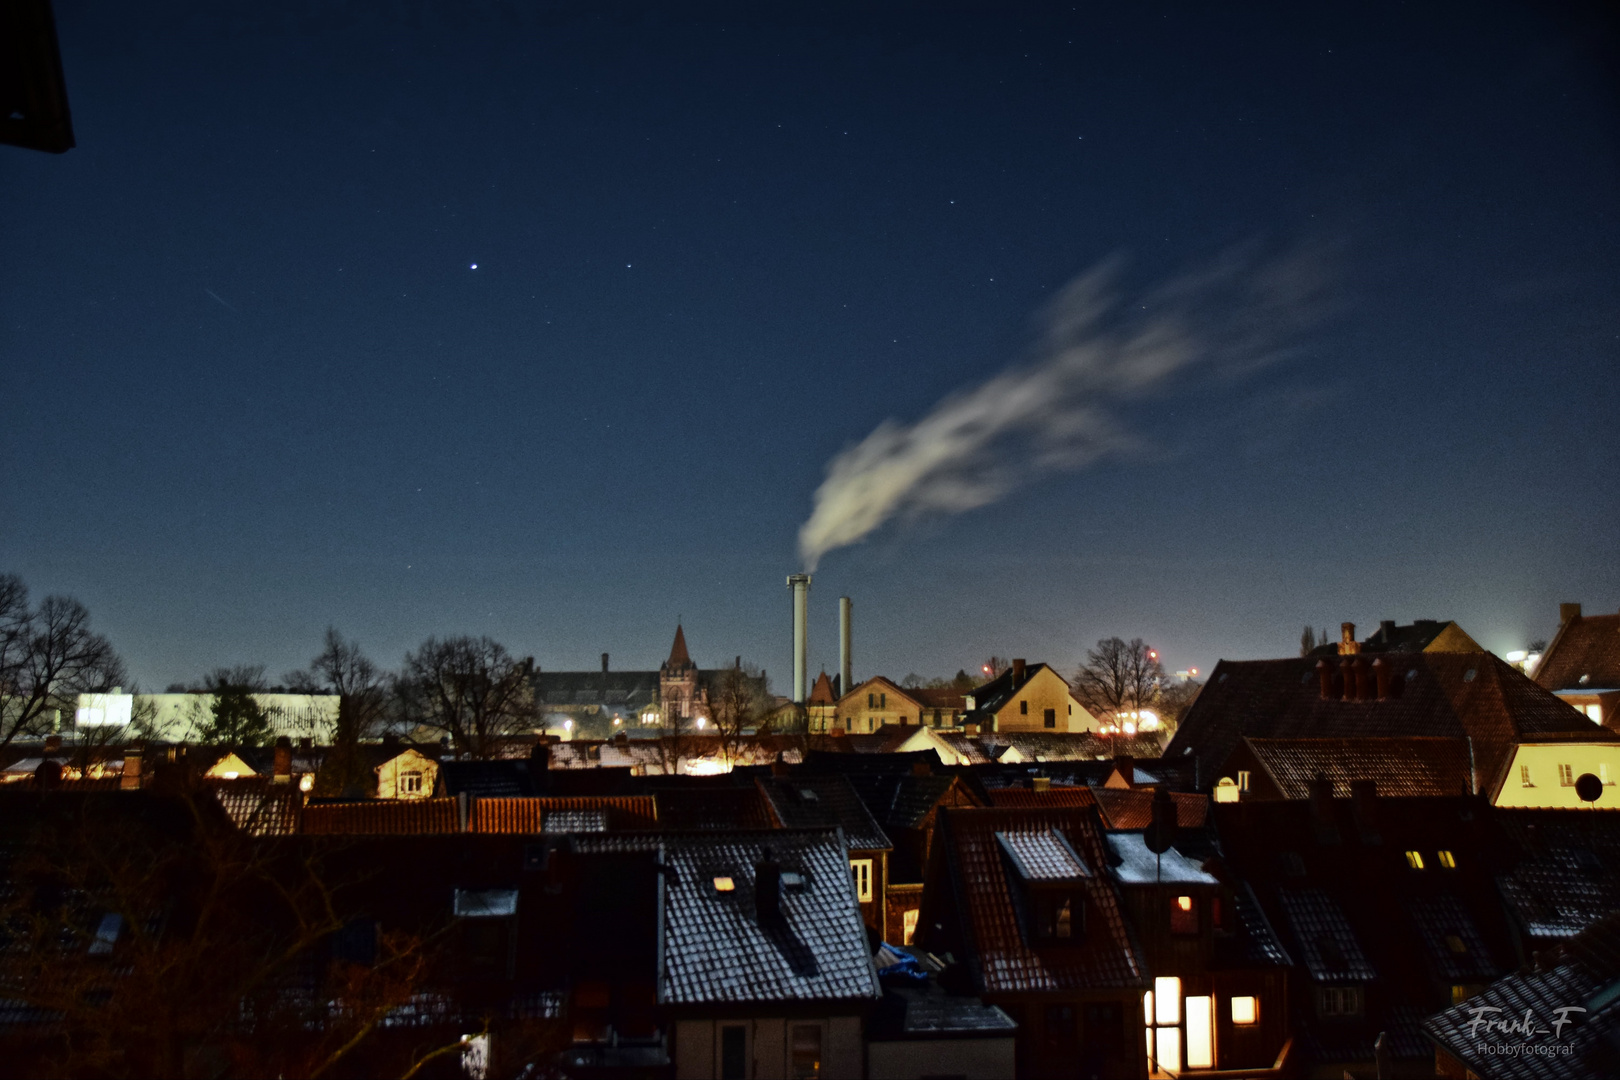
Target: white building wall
<point x="1551" y="770"/>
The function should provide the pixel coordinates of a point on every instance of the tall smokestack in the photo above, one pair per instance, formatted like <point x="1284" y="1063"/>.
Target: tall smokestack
<point x="800" y="584"/>
<point x="845" y="663"/>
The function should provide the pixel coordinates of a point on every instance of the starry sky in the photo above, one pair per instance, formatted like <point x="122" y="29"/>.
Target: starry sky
<point x="254" y="385"/>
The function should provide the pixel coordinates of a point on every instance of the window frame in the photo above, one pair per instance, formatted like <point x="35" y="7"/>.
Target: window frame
<point x="862" y="877"/>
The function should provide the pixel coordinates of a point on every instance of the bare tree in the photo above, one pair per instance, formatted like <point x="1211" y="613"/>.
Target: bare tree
<point x="738" y="704"/>
<point x="472" y="690"/>
<point x="1307" y="641"/>
<point x="1119" y="677"/>
<point x="48" y="657"/>
<point x="1174" y="701"/>
<point x="363" y="703"/>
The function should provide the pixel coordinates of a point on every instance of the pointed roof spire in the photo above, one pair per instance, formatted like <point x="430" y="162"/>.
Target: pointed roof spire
<point x="678" y="656"/>
<point x="822" y="692"/>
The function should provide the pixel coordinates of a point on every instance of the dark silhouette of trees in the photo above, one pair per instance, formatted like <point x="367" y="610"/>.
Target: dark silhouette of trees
<point x="738" y="706"/>
<point x="232" y="717"/>
<point x="48" y="657"/>
<point x="470" y="689"/>
<point x="1119" y="676"/>
<point x="364" y="699"/>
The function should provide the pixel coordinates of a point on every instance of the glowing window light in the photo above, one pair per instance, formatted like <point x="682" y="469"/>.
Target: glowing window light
<point x="1414" y="860"/>
<point x="1200" y="1033"/>
<point x="1184" y="903"/>
<point x="1448" y="860"/>
<point x="724" y="884"/>
<point x="1167" y="1000"/>
<point x="1245" y="1010"/>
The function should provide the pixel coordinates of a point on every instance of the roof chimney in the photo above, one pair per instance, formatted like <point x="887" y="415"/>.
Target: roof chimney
<point x="1324" y="673"/>
<point x="768" y="888"/>
<point x="1364" y="800"/>
<point x="1018" y="671"/>
<point x="1347" y="639"/>
<point x="1041" y="783"/>
<point x="1125" y="765"/>
<point x="1360" y="667"/>
<point x="539" y="758"/>
<point x="1322" y="823"/>
<point x="1568" y="613"/>
<point x="1381" y="675"/>
<point x="1347" y="676"/>
<point x="53" y="743"/>
<point x="283" y="766"/>
<point x="1386" y="627"/>
<point x="604" y="663"/>
<point x="130" y="778"/>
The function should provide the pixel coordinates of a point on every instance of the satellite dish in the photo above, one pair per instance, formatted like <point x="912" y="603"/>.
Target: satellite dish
<point x="1588" y="787"/>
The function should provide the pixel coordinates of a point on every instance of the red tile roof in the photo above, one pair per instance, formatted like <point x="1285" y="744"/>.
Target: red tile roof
<point x="1400" y="766"/>
<point x="1586" y="646"/>
<point x="983" y="884"/>
<point x="1057" y="796"/>
<point x="1132" y="808"/>
<point x="529" y="815"/>
<point x="377" y="817"/>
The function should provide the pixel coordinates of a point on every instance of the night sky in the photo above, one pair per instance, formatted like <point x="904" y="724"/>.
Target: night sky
<point x="253" y="384"/>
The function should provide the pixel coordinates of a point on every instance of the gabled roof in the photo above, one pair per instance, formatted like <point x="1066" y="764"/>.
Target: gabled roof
<point x="1064" y="795"/>
<point x="258" y="807"/>
<point x="1132" y="808"/>
<point x="822" y="802"/>
<point x="822" y="692"/>
<point x="1452" y="695"/>
<point x="993" y="695"/>
<point x="716" y="950"/>
<point x="378" y="817"/>
<point x="500" y="778"/>
<point x="1324" y="939"/>
<point x="1584" y="655"/>
<point x="987" y="897"/>
<point x="583" y="813"/>
<point x="1400" y="765"/>
<point x="1133" y="863"/>
<point x="1568" y="874"/>
<point x="695" y="804"/>
<point x="1421" y="635"/>
<point x="1043" y="856"/>
<point x="1581" y="974"/>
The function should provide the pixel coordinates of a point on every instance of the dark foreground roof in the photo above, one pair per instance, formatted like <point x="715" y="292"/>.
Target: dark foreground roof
<point x="1584" y="656"/>
<point x="717" y="949"/>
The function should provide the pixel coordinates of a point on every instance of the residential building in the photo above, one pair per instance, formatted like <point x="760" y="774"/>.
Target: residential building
<point x="1400" y="765"/>
<point x="809" y="801"/>
<point x="1028" y="697"/>
<point x="1423" y="635"/>
<point x="1582" y="664"/>
<point x="1020" y="905"/>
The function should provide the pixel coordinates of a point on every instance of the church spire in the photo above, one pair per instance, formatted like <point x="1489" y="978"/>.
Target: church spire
<point x="678" y="656"/>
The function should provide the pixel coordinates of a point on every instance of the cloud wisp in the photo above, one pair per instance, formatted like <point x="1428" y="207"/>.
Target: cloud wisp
<point x="1057" y="412"/>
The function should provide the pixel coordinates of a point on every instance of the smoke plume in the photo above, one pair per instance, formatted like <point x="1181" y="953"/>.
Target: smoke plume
<point x="1058" y="412"/>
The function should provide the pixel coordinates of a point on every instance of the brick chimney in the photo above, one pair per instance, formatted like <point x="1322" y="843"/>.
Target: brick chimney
<point x="283" y="765"/>
<point x="1348" y="646"/>
<point x="1125" y="765"/>
<point x="1347" y="676"/>
<point x="1322" y="820"/>
<point x="1360" y="669"/>
<point x="1041" y="783"/>
<point x="1364" y="803"/>
<point x="130" y="778"/>
<point x="1018" y="671"/>
<point x="1382" y="676"/>
<point x="768" y="888"/>
<point x="1386" y="627"/>
<point x="1568" y="613"/>
<point x="1324" y="674"/>
<point x="53" y="743"/>
<point x="539" y="758"/>
<point x="604" y="663"/>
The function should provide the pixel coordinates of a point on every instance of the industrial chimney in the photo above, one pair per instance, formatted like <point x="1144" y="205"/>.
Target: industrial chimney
<point x="800" y="584"/>
<point x="845" y="666"/>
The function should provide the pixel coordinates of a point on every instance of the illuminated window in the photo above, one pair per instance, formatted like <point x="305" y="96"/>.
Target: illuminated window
<point x="1245" y="1010"/>
<point x="1226" y="790"/>
<point x="724" y="884"/>
<point x="1566" y="775"/>
<point x="1524" y="776"/>
<point x="1414" y="860"/>
<point x="908" y="926"/>
<point x="861" y="870"/>
<point x="1243" y="779"/>
<point x="1183" y="915"/>
<point x="1593" y="713"/>
<point x="1447" y="860"/>
<point x="806" y="1051"/>
<point x="1200" y="1039"/>
<point x="1161" y="1011"/>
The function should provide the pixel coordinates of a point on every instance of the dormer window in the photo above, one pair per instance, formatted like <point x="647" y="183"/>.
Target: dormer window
<point x="1052" y="876"/>
<point x="1183" y="915"/>
<point x="1414" y="860"/>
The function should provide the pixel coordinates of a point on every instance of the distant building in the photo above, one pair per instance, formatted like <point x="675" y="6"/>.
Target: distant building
<point x="1028" y="697"/>
<point x="1582" y="664"/>
<point x="1423" y="635"/>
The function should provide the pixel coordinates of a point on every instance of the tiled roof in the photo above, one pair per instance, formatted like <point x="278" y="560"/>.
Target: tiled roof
<point x="1452" y="944"/>
<point x="929" y="1011"/>
<point x="1583" y="973"/>
<point x="1326" y="943"/>
<point x="689" y="807"/>
<point x="1451" y="695"/>
<point x="377" y="817"/>
<point x="1589" y="646"/>
<point x="941" y="698"/>
<point x="259" y="808"/>
<point x="818" y="802"/>
<point x="984" y="885"/>
<point x="1132" y="808"/>
<point x="498" y="779"/>
<point x="1258" y="944"/>
<point x="822" y="692"/>
<point x="716" y="952"/>
<point x="1042" y="856"/>
<point x="678" y="656"/>
<point x="914" y="798"/>
<point x="1400" y="766"/>
<point x="522" y="815"/>
<point x="1064" y="795"/>
<point x="1568" y="875"/>
<point x="1134" y="864"/>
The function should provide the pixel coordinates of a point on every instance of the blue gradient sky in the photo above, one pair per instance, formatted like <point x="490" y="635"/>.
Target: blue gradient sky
<point x="253" y="386"/>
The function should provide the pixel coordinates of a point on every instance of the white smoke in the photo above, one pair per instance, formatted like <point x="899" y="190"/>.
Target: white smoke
<point x="1237" y="313"/>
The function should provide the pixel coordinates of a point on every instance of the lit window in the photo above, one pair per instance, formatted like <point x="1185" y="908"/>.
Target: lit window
<point x="1183" y="915"/>
<point x="1243" y="779"/>
<point x="1167" y="1000"/>
<point x="861" y="871"/>
<point x="410" y="783"/>
<point x="1161" y="1010"/>
<point x="1603" y="774"/>
<point x="1245" y="1010"/>
<point x="1226" y="790"/>
<point x="908" y="926"/>
<point x="1593" y="713"/>
<point x="1200" y="1033"/>
<point x="1566" y="775"/>
<point x="806" y="1051"/>
<point x="1524" y="776"/>
<point x="724" y="884"/>
<point x="1414" y="860"/>
<point x="1447" y="860"/>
